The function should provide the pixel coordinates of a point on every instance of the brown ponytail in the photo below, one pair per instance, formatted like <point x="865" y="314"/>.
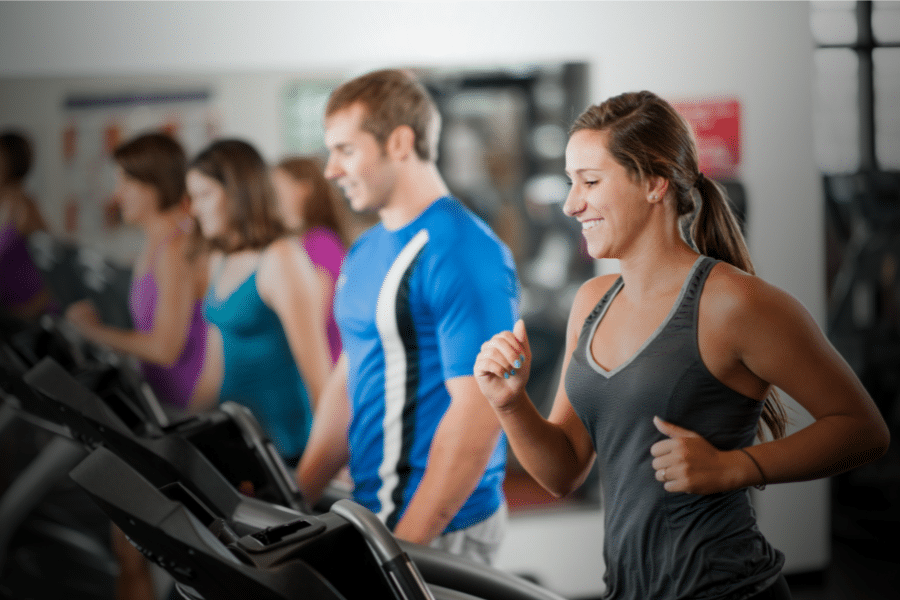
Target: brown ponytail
<point x="650" y="139"/>
<point x="715" y="230"/>
<point x="716" y="233"/>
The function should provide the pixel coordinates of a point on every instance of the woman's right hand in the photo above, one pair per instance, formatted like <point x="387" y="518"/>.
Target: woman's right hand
<point x="503" y="366"/>
<point x="83" y="315"/>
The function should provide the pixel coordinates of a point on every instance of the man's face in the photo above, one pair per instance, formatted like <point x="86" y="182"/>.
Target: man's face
<point x="357" y="162"/>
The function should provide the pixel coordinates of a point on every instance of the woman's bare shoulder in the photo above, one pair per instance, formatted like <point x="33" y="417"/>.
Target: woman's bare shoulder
<point x="734" y="297"/>
<point x="285" y="253"/>
<point x="19" y="208"/>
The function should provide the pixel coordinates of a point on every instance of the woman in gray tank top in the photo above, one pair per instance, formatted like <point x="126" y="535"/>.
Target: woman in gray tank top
<point x="671" y="371"/>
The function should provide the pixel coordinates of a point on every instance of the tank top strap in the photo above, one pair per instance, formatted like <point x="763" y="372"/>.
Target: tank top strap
<point x="154" y="253"/>
<point x="599" y="309"/>
<point x="689" y="309"/>
<point x="214" y="283"/>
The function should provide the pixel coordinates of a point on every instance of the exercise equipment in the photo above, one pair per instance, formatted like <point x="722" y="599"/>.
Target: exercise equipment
<point x="200" y="463"/>
<point x="104" y="401"/>
<point x="323" y="557"/>
<point x="75" y="272"/>
<point x="345" y="553"/>
<point x="171" y="460"/>
<point x="54" y="541"/>
<point x="223" y="450"/>
<point x="116" y="407"/>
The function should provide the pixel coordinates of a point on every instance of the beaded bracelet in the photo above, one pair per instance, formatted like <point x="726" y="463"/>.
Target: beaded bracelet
<point x="762" y="485"/>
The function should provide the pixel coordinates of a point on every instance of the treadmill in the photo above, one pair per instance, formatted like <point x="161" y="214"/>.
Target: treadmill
<point x="200" y="464"/>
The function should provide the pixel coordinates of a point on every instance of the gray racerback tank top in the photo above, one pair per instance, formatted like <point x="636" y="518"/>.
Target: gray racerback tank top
<point x="657" y="544"/>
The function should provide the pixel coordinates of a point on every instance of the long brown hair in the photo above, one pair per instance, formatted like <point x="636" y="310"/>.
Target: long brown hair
<point x="650" y="139"/>
<point x="324" y="208"/>
<point x="252" y="221"/>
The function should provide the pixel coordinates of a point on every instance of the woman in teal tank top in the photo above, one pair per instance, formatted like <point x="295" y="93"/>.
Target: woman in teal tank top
<point x="670" y="372"/>
<point x="267" y="346"/>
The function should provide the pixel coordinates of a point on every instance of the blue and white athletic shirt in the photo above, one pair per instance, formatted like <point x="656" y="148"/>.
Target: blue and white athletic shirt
<point x="414" y="307"/>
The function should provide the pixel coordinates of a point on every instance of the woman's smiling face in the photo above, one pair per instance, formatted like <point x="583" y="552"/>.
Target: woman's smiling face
<point x="610" y="205"/>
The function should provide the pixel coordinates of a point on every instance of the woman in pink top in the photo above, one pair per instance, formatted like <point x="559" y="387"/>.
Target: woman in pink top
<point x="310" y="206"/>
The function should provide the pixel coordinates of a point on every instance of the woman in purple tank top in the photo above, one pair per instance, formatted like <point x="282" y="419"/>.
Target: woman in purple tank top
<point x="165" y="301"/>
<point x="169" y="343"/>
<point x="24" y="294"/>
<point x="310" y="206"/>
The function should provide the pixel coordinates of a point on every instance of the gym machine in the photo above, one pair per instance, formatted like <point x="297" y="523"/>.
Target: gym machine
<point x="54" y="540"/>
<point x="345" y="553"/>
<point x="200" y="463"/>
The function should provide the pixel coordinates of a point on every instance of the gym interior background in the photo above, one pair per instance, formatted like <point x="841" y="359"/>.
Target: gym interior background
<point x="813" y="161"/>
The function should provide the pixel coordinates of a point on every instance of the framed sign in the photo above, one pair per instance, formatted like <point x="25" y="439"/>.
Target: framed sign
<point x="717" y="127"/>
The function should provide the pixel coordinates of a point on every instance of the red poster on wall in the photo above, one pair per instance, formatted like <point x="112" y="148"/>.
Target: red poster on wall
<point x="717" y="127"/>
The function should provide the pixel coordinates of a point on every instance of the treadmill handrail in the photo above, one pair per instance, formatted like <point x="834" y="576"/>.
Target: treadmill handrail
<point x="441" y="568"/>
<point x="376" y="533"/>
<point x="255" y="437"/>
<point x="405" y="578"/>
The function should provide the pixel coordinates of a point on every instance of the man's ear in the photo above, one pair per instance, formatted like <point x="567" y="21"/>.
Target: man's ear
<point x="401" y="143"/>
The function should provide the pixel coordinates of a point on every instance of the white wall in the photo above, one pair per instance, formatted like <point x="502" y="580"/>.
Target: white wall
<point x="758" y="52"/>
<point x="247" y="105"/>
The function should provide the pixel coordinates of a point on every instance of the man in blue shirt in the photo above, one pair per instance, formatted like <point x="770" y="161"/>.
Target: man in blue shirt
<point x="418" y="294"/>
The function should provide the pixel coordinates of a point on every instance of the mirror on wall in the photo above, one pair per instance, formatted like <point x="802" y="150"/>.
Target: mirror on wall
<point x="504" y="133"/>
<point x="501" y="152"/>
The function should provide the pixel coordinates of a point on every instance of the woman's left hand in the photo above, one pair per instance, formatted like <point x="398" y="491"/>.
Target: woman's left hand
<point x="686" y="462"/>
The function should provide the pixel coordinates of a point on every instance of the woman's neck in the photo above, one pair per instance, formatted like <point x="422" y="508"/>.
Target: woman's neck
<point x="9" y="192"/>
<point x="9" y="186"/>
<point x="162" y="225"/>
<point x="656" y="263"/>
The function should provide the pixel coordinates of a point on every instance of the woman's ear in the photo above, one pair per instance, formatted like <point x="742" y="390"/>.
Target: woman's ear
<point x="657" y="187"/>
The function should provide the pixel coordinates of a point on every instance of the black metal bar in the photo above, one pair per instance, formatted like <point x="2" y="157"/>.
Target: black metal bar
<point x="865" y="41"/>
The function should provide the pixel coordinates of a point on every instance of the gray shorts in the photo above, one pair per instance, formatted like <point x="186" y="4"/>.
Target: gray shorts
<point x="479" y="542"/>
